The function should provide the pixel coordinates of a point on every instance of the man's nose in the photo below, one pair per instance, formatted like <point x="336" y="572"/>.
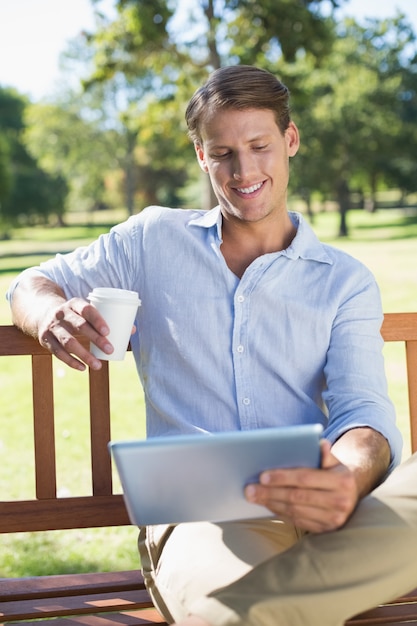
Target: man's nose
<point x="243" y="166"/>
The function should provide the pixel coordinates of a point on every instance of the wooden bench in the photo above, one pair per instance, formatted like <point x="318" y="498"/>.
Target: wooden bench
<point x="109" y="598"/>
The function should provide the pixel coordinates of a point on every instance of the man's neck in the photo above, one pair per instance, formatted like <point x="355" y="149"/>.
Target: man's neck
<point x="244" y="242"/>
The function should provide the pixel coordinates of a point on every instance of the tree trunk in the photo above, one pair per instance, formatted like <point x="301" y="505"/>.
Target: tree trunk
<point x="371" y="203"/>
<point x="214" y="56"/>
<point x="307" y="199"/>
<point x="130" y="173"/>
<point x="344" y="205"/>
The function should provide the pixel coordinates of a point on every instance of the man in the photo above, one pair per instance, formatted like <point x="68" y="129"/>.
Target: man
<point x="247" y="321"/>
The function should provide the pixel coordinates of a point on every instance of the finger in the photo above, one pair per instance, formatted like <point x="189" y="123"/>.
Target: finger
<point x="327" y="458"/>
<point x="309" y="478"/>
<point x="79" y="317"/>
<point x="300" y="478"/>
<point x="308" y="510"/>
<point x="290" y="499"/>
<point x="85" y="318"/>
<point x="67" y="348"/>
<point x="89" y="313"/>
<point x="53" y="345"/>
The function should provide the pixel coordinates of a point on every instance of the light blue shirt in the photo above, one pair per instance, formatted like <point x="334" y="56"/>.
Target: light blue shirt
<point x="295" y="340"/>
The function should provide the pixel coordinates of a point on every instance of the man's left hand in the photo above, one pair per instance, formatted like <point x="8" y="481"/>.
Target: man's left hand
<point x="316" y="500"/>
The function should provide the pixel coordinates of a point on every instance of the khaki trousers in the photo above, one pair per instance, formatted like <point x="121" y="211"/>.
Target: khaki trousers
<point x="266" y="573"/>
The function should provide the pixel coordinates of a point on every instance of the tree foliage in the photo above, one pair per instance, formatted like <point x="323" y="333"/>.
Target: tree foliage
<point x="27" y="192"/>
<point x="353" y="87"/>
<point x="68" y="146"/>
<point x="120" y="136"/>
<point x="357" y="112"/>
<point x="160" y="54"/>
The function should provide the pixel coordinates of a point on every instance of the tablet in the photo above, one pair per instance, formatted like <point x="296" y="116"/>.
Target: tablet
<point x="189" y="478"/>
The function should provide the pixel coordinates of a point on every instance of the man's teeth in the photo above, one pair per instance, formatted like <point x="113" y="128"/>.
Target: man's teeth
<point x="250" y="189"/>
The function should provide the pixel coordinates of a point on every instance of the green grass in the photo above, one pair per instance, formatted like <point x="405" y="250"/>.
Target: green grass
<point x="385" y="241"/>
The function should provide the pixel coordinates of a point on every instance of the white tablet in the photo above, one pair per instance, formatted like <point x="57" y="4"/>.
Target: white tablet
<point x="189" y="478"/>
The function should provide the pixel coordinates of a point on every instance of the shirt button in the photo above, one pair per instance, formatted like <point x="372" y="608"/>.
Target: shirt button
<point x="240" y="298"/>
<point x="240" y="348"/>
<point x="246" y="401"/>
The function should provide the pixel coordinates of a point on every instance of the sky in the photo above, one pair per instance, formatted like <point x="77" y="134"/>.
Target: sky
<point x="33" y="33"/>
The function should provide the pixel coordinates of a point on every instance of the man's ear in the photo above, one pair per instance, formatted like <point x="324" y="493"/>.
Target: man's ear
<point x="199" y="150"/>
<point x="292" y="137"/>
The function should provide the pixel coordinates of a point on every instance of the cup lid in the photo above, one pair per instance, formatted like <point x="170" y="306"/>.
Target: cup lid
<point x="112" y="293"/>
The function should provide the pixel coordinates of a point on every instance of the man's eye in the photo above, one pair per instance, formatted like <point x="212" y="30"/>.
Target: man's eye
<point x="220" y="155"/>
<point x="259" y="148"/>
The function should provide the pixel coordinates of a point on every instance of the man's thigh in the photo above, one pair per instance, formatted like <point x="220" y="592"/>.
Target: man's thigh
<point x="186" y="562"/>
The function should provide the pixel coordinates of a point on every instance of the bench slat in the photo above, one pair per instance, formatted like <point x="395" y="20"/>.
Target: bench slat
<point x="124" y="618"/>
<point x="63" y="514"/>
<point x="100" y="433"/>
<point x="400" y="327"/>
<point x="34" y="608"/>
<point x="13" y="343"/>
<point x="411" y="356"/>
<point x="44" y="428"/>
<point x="69" y="584"/>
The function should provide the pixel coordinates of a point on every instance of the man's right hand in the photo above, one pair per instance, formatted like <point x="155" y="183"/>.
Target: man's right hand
<point x="40" y="308"/>
<point x="57" y="332"/>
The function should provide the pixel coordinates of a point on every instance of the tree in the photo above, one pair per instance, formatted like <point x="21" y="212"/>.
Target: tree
<point x="27" y="192"/>
<point x="69" y="147"/>
<point x="149" y="167"/>
<point x="5" y="170"/>
<point x="165" y="53"/>
<point x="355" y="110"/>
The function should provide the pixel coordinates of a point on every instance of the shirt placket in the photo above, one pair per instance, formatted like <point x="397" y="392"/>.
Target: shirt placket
<point x="243" y="299"/>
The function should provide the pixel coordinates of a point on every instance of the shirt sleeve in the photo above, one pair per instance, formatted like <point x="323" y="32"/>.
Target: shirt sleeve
<point x="107" y="262"/>
<point x="357" y="393"/>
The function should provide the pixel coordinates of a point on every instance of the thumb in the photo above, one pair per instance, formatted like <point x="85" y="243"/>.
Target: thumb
<point x="328" y="460"/>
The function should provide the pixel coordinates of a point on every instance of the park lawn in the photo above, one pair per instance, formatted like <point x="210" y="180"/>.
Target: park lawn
<point x="384" y="241"/>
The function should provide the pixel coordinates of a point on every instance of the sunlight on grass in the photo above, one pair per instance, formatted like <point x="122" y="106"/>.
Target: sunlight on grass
<point x="69" y="552"/>
<point x="384" y="241"/>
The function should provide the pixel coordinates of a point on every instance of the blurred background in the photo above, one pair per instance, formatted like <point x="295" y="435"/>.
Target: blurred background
<point x="93" y="92"/>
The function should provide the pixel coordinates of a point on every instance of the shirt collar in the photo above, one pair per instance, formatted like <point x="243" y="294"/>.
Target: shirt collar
<point x="208" y="219"/>
<point x="305" y="244"/>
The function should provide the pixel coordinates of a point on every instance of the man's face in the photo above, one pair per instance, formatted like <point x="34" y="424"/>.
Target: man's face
<point x="247" y="159"/>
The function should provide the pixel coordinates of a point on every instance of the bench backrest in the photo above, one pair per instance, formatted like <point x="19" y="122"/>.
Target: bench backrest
<point x="104" y="508"/>
<point x="47" y="511"/>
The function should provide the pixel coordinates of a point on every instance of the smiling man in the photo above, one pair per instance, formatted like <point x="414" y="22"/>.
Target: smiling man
<point x="247" y="321"/>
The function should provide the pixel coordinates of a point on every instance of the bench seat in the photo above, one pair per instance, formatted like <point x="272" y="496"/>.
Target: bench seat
<point x="113" y="597"/>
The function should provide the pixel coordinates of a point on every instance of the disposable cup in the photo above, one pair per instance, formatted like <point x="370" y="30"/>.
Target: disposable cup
<point x="118" y="307"/>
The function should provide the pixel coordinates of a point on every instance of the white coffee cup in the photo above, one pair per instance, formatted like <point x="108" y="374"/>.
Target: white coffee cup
<point x="118" y="307"/>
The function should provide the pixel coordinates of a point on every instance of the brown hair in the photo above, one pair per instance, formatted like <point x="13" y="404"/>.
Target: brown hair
<point x="238" y="87"/>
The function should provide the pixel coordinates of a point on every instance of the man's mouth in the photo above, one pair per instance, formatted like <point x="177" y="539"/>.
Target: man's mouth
<point x="248" y="190"/>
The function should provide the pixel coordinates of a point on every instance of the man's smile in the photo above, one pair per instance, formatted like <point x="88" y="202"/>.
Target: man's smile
<point x="249" y="190"/>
